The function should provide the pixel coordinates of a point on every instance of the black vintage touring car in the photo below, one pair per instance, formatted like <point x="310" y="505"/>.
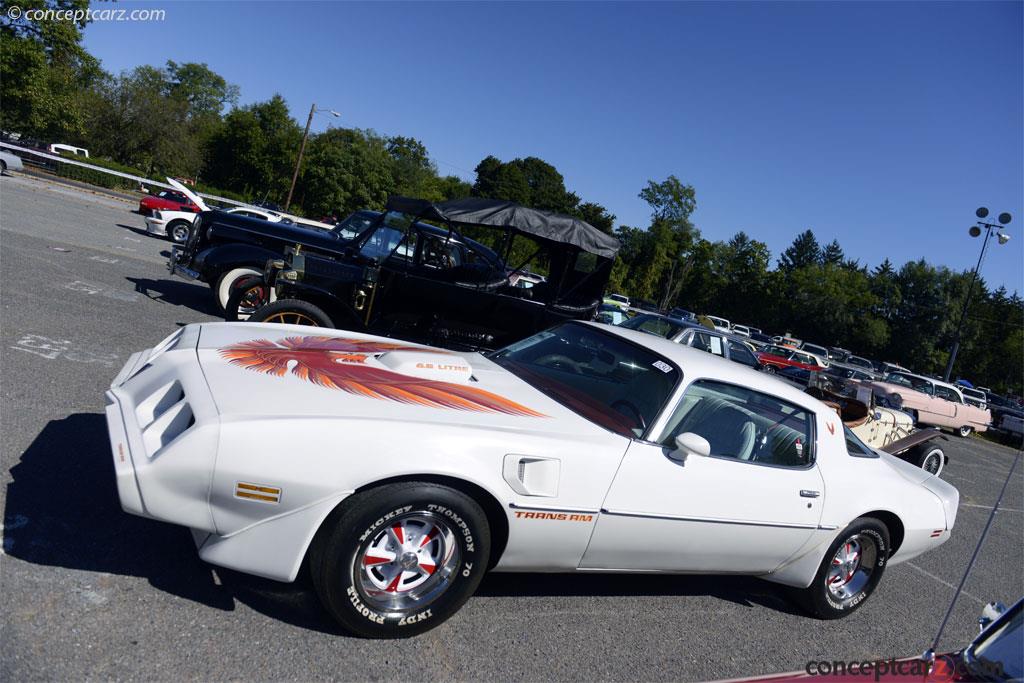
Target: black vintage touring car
<point x="222" y="247"/>
<point x="487" y="273"/>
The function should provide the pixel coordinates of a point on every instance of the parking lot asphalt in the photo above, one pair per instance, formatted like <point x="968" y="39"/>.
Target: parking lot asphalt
<point x="90" y="592"/>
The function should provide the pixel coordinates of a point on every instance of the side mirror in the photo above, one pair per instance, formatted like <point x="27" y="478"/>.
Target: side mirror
<point x="689" y="443"/>
<point x="992" y="611"/>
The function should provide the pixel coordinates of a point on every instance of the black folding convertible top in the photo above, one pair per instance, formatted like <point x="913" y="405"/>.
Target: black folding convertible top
<point x="546" y="225"/>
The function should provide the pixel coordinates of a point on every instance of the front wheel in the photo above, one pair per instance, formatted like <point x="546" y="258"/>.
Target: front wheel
<point x="965" y="431"/>
<point x="226" y="282"/>
<point x="247" y="296"/>
<point x="770" y="369"/>
<point x="292" y="312"/>
<point x="398" y="560"/>
<point x="850" y="570"/>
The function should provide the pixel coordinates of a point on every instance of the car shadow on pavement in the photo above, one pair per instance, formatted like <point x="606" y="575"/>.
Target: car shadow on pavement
<point x="138" y="231"/>
<point x="193" y="295"/>
<point x="62" y="510"/>
<point x="745" y="591"/>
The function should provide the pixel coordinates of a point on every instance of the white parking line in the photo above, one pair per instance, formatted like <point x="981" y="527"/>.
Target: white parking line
<point x="946" y="583"/>
<point x="989" y="507"/>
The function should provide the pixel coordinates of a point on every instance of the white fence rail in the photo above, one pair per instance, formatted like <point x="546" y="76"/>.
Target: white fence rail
<point x="128" y="176"/>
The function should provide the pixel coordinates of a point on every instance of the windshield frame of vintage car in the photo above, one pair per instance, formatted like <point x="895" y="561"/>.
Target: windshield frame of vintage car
<point x="581" y="399"/>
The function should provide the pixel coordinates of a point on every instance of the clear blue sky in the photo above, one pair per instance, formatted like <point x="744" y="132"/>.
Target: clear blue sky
<point x="882" y="125"/>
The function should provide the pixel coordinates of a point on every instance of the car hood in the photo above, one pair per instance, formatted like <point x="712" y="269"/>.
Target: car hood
<point x="272" y="371"/>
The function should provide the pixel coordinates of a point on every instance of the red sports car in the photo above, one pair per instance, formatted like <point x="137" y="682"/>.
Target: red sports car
<point x="166" y="200"/>
<point x="777" y="357"/>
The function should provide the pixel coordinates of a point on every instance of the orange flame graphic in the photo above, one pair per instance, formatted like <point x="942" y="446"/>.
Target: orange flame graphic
<point x="316" y="359"/>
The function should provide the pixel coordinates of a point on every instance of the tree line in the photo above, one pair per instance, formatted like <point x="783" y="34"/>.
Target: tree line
<point x="184" y="119"/>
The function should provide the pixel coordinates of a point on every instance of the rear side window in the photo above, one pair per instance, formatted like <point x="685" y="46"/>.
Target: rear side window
<point x="708" y="342"/>
<point x="743" y="424"/>
<point x="741" y="354"/>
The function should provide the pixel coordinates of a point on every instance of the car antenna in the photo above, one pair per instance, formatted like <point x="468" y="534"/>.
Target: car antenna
<point x="929" y="654"/>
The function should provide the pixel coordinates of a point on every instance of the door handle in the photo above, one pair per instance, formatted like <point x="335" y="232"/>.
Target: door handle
<point x="809" y="494"/>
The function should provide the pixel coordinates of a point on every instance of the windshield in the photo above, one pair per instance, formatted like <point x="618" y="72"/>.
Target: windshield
<point x="652" y="324"/>
<point x="600" y="376"/>
<point x="904" y="380"/>
<point x="998" y="651"/>
<point x="354" y="225"/>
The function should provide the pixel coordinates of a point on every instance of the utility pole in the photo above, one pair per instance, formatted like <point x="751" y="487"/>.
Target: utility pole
<point x="298" y="162"/>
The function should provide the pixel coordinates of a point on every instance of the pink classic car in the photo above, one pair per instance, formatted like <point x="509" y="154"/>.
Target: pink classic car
<point x="930" y="402"/>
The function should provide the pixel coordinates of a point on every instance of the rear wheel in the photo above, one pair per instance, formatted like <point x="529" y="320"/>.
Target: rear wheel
<point x="931" y="459"/>
<point x="850" y="570"/>
<point x="292" y="312"/>
<point x="770" y="369"/>
<point x="222" y="288"/>
<point x="965" y="431"/>
<point x="399" y="560"/>
<point x="247" y="296"/>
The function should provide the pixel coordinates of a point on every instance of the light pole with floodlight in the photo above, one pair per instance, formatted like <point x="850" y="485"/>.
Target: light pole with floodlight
<point x="975" y="231"/>
<point x="302" y="148"/>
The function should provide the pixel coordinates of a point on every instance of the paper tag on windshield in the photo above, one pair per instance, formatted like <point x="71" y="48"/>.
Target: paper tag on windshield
<point x="662" y="365"/>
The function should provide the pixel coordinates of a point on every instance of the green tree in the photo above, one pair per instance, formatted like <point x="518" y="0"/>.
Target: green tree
<point x="666" y="259"/>
<point x="804" y="252"/>
<point x="45" y="73"/>
<point x="133" y="121"/>
<point x="346" y="169"/>
<point x="254" y="151"/>
<point x="413" y="173"/>
<point x="833" y="254"/>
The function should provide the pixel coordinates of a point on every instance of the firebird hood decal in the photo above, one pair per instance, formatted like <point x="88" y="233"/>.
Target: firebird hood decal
<point x="347" y="364"/>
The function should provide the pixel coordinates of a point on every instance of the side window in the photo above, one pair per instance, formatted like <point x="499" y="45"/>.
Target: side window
<point x="386" y="240"/>
<point x="658" y="327"/>
<point x="947" y="393"/>
<point x="856" y="447"/>
<point x="741" y="354"/>
<point x="705" y="341"/>
<point x="743" y="424"/>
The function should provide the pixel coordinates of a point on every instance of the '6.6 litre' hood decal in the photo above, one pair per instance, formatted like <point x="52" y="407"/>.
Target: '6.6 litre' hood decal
<point x="348" y="365"/>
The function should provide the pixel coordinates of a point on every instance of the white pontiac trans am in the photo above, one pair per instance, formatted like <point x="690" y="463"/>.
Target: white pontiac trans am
<point x="402" y="473"/>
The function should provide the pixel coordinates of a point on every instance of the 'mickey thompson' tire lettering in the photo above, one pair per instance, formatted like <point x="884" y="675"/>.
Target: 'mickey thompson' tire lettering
<point x="467" y="534"/>
<point x="379" y="522"/>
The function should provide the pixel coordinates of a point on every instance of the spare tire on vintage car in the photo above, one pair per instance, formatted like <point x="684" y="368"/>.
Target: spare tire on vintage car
<point x="248" y="295"/>
<point x="292" y="312"/>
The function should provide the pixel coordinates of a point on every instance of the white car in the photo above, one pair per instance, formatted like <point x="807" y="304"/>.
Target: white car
<point x="10" y="162"/>
<point x="402" y="473"/>
<point x="620" y="300"/>
<point x="741" y="330"/>
<point x="175" y="224"/>
<point x="721" y="324"/>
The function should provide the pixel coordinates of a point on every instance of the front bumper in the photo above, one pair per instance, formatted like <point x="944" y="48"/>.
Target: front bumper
<point x="156" y="226"/>
<point x="164" y="431"/>
<point x="176" y="264"/>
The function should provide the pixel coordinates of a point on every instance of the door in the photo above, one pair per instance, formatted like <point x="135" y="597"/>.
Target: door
<point x="748" y="507"/>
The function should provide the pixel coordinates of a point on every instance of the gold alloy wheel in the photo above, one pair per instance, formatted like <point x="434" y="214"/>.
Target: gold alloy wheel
<point x="291" y="318"/>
